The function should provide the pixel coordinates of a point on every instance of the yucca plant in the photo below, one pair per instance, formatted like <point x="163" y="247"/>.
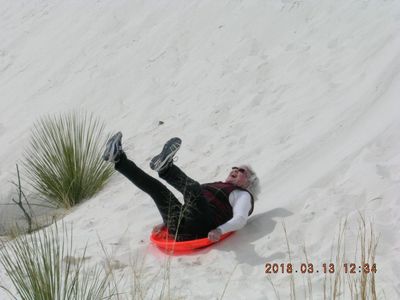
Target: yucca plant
<point x="63" y="161"/>
<point x="42" y="266"/>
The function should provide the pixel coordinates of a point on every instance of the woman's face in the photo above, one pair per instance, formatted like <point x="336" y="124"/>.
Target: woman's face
<point x="239" y="176"/>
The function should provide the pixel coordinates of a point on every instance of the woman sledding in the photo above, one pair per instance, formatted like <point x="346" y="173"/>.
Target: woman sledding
<point x="209" y="210"/>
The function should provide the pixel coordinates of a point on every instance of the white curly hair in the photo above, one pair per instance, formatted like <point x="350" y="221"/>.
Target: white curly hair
<point x="254" y="183"/>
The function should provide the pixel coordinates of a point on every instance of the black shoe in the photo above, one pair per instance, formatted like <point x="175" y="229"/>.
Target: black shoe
<point x="163" y="160"/>
<point x="113" y="148"/>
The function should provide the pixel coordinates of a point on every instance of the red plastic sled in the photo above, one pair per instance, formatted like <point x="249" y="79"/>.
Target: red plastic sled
<point x="166" y="242"/>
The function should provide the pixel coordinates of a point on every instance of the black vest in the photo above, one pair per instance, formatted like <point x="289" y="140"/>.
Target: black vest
<point x="217" y="195"/>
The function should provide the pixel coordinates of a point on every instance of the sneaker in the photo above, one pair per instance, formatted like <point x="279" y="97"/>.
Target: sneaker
<point x="163" y="160"/>
<point x="113" y="148"/>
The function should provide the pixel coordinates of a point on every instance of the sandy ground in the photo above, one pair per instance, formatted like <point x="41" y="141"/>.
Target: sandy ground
<point x="305" y="91"/>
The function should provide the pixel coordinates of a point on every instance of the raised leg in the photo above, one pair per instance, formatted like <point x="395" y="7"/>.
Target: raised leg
<point x="168" y="205"/>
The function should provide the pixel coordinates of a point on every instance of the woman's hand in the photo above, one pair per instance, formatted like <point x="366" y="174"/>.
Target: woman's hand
<point x="214" y="235"/>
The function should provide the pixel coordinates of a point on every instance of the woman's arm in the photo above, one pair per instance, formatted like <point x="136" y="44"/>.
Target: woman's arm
<point x="241" y="205"/>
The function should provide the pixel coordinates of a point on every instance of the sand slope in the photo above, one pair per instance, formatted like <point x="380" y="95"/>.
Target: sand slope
<point x="305" y="91"/>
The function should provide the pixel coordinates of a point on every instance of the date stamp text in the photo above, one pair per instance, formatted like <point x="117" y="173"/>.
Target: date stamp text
<point x="324" y="268"/>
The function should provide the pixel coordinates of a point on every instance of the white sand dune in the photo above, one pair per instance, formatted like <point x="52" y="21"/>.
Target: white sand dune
<point x="305" y="91"/>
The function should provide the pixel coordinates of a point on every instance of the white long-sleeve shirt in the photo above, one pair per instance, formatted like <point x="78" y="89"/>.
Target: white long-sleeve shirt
<point x="241" y="205"/>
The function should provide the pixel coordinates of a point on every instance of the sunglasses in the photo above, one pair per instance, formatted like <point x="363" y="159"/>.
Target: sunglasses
<point x="241" y="170"/>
